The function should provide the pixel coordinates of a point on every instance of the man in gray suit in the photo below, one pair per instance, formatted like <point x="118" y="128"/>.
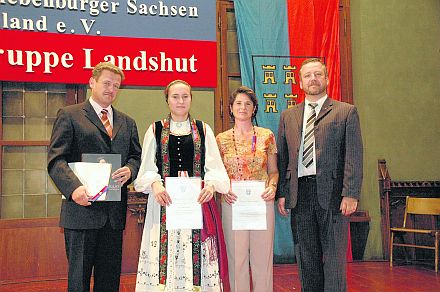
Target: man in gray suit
<point x="93" y="230"/>
<point x="320" y="165"/>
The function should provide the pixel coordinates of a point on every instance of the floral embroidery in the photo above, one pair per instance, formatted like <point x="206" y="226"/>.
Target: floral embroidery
<point x="196" y="250"/>
<point x="163" y="259"/>
<point x="163" y="247"/>
<point x="197" y="146"/>
<point x="197" y="171"/>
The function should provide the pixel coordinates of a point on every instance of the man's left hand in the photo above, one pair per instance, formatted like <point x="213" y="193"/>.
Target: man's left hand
<point x="348" y="206"/>
<point x="122" y="175"/>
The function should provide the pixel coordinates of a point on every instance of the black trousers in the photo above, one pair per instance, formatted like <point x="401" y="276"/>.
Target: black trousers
<point x="320" y="238"/>
<point x="97" y="249"/>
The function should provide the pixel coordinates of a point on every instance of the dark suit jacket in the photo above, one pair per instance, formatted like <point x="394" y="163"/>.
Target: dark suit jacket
<point x="77" y="130"/>
<point x="338" y="146"/>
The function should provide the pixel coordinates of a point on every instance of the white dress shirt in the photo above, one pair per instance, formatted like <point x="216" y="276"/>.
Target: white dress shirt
<point x="98" y="110"/>
<point x="311" y="170"/>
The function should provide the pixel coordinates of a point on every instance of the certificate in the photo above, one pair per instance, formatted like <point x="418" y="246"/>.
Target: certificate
<point x="184" y="212"/>
<point x="95" y="177"/>
<point x="249" y="210"/>
<point x="113" y="192"/>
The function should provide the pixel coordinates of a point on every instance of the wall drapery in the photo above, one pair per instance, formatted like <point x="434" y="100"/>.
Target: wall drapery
<point x="273" y="42"/>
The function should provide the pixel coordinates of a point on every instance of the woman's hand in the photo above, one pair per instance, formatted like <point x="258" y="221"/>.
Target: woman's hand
<point x="160" y="194"/>
<point x="206" y="194"/>
<point x="269" y="193"/>
<point x="230" y="197"/>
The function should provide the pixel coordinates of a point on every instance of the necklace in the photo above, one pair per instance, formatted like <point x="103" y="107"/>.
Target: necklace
<point x="253" y="149"/>
<point x="180" y="128"/>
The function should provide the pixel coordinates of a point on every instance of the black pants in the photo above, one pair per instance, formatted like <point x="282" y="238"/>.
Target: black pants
<point x="97" y="249"/>
<point x="320" y="238"/>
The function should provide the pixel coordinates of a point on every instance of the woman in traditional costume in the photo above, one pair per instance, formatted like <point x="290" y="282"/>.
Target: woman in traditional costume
<point x="181" y="259"/>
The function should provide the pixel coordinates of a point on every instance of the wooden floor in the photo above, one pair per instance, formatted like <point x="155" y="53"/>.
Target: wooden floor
<point x="362" y="276"/>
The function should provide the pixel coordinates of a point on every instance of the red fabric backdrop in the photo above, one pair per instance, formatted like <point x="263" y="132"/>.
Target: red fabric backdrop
<point x="313" y="27"/>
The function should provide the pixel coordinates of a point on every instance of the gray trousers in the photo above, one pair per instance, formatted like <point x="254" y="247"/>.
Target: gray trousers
<point x="320" y="238"/>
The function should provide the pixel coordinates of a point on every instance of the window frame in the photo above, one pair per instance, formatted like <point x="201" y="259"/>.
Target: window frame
<point x="75" y="93"/>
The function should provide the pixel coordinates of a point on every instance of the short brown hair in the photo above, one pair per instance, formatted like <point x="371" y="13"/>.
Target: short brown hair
<point x="314" y="60"/>
<point x="97" y="71"/>
<point x="245" y="90"/>
<point x="177" y="81"/>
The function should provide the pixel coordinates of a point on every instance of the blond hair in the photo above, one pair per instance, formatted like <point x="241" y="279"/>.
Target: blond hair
<point x="97" y="71"/>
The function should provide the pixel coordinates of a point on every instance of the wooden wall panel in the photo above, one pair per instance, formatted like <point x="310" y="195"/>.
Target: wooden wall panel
<point x="132" y="243"/>
<point x="34" y="249"/>
<point x="31" y="248"/>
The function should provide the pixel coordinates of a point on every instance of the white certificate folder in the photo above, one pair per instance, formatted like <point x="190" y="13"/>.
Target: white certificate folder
<point x="184" y="212"/>
<point x="114" y="189"/>
<point x="93" y="176"/>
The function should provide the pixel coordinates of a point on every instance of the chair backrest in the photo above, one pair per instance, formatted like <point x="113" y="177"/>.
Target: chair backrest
<point x="421" y="206"/>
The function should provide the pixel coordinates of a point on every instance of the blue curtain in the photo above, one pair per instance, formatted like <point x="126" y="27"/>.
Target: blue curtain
<point x="264" y="51"/>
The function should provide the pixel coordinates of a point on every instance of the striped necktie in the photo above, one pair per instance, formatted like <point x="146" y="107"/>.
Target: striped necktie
<point x="106" y="122"/>
<point x="309" y="137"/>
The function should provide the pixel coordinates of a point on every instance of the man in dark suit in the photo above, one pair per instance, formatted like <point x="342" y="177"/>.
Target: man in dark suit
<point x="93" y="231"/>
<point x="320" y="166"/>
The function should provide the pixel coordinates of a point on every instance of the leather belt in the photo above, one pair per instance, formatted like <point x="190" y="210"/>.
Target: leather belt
<point x="307" y="178"/>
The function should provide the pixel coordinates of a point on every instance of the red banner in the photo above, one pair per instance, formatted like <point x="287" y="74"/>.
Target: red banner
<point x="314" y="32"/>
<point x="62" y="58"/>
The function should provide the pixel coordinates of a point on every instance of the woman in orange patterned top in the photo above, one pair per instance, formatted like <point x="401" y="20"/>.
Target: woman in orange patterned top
<point x="249" y="153"/>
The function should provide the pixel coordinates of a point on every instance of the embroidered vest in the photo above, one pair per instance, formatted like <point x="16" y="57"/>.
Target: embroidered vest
<point x="158" y="135"/>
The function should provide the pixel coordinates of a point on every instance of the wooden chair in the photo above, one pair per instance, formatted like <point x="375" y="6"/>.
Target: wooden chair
<point x="418" y="206"/>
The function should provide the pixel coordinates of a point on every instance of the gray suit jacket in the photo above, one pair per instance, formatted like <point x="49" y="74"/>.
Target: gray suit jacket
<point x="77" y="130"/>
<point x="338" y="145"/>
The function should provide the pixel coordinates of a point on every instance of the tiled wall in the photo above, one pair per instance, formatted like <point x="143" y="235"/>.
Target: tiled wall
<point x="29" y="110"/>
